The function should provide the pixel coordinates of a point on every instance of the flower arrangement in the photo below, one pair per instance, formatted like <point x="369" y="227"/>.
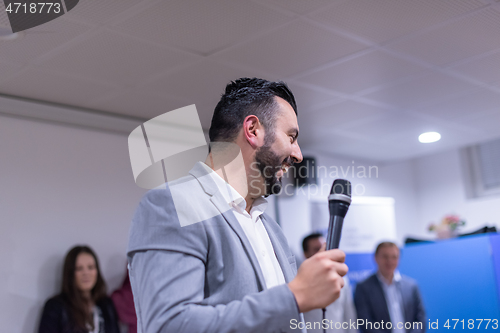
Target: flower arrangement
<point x="448" y="226"/>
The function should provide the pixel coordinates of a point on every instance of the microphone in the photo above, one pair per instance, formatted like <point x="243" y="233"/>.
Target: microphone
<point x="338" y="203"/>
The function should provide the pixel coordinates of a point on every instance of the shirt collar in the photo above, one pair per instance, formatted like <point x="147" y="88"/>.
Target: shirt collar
<point x="231" y="196"/>
<point x="396" y="278"/>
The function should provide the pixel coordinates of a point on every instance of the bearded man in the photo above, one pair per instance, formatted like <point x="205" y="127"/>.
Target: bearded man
<point x="203" y="255"/>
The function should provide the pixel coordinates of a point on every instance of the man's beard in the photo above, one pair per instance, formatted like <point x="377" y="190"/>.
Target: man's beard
<point x="269" y="163"/>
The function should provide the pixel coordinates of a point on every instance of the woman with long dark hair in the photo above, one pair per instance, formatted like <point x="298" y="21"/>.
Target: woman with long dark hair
<point x="82" y="306"/>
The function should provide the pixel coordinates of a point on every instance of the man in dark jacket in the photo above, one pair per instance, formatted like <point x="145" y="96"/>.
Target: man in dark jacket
<point x="387" y="301"/>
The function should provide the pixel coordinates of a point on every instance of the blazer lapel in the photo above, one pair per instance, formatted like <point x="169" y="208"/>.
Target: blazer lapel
<point x="278" y="250"/>
<point x="404" y="297"/>
<point x="228" y="215"/>
<point x="222" y="206"/>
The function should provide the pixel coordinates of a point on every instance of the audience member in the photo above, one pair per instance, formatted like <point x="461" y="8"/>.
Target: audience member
<point x="124" y="304"/>
<point x="389" y="297"/>
<point x="82" y="306"/>
<point x="341" y="313"/>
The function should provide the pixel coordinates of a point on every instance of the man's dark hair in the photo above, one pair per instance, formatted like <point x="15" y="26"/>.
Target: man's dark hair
<point x="305" y="242"/>
<point x="384" y="244"/>
<point x="244" y="97"/>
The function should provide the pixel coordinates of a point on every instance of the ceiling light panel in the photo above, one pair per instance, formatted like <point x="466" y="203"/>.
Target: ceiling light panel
<point x="429" y="137"/>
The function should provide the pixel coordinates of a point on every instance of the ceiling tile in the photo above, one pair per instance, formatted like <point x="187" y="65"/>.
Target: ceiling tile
<point x="201" y="26"/>
<point x="7" y="70"/>
<point x="125" y="57"/>
<point x="464" y="38"/>
<point x="102" y="11"/>
<point x="284" y="51"/>
<point x="420" y="90"/>
<point x="486" y="69"/>
<point x="138" y="104"/>
<point x="383" y="20"/>
<point x="349" y="112"/>
<point x="488" y="122"/>
<point x="41" y="40"/>
<point x="464" y="105"/>
<point x="301" y="6"/>
<point x="363" y="150"/>
<point x="389" y="124"/>
<point x="116" y="59"/>
<point x="369" y="70"/>
<point x="309" y="98"/>
<point x="200" y="84"/>
<point x="52" y="87"/>
<point x="330" y="141"/>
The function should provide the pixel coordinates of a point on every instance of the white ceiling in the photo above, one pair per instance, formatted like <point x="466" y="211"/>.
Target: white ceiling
<point x="369" y="76"/>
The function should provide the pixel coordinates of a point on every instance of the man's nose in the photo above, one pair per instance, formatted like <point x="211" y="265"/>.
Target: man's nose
<point x="296" y="154"/>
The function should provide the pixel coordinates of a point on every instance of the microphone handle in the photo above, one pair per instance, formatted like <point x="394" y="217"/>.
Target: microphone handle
<point x="334" y="232"/>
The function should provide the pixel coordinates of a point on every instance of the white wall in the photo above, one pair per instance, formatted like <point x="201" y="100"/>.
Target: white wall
<point x="441" y="191"/>
<point x="59" y="186"/>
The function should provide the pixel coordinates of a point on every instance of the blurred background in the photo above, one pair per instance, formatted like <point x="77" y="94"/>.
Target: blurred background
<point x="369" y="77"/>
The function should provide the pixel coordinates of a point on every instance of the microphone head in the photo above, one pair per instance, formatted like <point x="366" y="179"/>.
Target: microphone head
<point x="341" y="186"/>
<point x="340" y="197"/>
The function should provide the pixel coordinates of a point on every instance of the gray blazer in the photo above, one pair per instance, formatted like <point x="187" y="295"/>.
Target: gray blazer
<point x="203" y="277"/>
<point x="371" y="304"/>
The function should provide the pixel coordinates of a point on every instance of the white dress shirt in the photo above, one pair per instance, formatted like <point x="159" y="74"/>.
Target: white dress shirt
<point x="394" y="301"/>
<point x="254" y="229"/>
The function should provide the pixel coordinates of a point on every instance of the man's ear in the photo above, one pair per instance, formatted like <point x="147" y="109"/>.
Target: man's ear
<point x="253" y="131"/>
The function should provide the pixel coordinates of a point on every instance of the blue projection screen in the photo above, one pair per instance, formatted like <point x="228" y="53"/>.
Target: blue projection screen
<point x="458" y="278"/>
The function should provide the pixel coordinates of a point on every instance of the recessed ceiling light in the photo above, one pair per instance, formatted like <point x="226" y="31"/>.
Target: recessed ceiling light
<point x="6" y="34"/>
<point x="429" y="137"/>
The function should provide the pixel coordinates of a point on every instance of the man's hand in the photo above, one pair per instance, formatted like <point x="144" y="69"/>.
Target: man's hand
<point x="319" y="280"/>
